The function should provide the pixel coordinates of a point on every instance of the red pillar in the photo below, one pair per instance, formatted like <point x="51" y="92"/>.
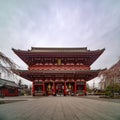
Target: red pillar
<point x="43" y="88"/>
<point x="75" y="87"/>
<point x="6" y="92"/>
<point x="65" y="88"/>
<point x="54" y="92"/>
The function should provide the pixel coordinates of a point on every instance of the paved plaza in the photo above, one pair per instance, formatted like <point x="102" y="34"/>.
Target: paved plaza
<point x="60" y="108"/>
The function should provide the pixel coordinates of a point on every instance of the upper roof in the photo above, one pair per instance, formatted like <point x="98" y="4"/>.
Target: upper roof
<point x="29" y="55"/>
<point x="63" y="50"/>
<point x="38" y="49"/>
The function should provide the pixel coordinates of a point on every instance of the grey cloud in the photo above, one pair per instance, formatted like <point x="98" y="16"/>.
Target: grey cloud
<point x="80" y="23"/>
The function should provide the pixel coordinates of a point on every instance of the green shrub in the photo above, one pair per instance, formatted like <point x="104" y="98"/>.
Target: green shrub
<point x="112" y="89"/>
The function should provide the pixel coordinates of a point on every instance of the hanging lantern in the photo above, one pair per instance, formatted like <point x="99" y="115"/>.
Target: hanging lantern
<point x="70" y="86"/>
<point x="49" y="86"/>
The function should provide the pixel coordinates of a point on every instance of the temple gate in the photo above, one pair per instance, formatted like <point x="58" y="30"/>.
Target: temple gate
<point x="58" y="71"/>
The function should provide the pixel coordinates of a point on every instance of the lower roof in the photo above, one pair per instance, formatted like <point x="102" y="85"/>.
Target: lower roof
<point x="42" y="74"/>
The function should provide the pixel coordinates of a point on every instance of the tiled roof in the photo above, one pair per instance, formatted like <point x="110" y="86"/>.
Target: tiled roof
<point x="7" y="83"/>
<point x="58" y="50"/>
<point x="38" y="49"/>
<point x="33" y="74"/>
<point x="114" y="70"/>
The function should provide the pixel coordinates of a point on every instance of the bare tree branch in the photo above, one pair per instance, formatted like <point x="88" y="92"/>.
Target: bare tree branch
<point x="6" y="64"/>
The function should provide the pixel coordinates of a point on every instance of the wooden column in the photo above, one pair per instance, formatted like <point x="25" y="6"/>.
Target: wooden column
<point x="65" y="88"/>
<point x="17" y="92"/>
<point x="75" y="87"/>
<point x="43" y="88"/>
<point x="54" y="92"/>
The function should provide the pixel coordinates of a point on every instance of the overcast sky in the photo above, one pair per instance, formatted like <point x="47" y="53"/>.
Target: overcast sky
<point x="94" y="24"/>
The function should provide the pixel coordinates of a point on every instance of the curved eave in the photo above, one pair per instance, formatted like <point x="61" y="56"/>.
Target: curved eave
<point x="38" y="74"/>
<point x="95" y="55"/>
<point x="26" y="56"/>
<point x="23" y="55"/>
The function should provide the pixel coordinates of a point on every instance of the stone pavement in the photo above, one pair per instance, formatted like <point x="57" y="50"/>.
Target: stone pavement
<point x="60" y="108"/>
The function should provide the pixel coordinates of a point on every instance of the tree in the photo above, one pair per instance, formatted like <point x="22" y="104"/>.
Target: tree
<point x="112" y="89"/>
<point x="110" y="77"/>
<point x="6" y="64"/>
<point x="88" y="88"/>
